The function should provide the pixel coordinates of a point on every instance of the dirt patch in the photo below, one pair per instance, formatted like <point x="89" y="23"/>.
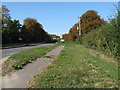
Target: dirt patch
<point x="98" y="85"/>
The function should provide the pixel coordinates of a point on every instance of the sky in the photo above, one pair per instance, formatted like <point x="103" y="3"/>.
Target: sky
<point x="57" y="17"/>
<point x="60" y="0"/>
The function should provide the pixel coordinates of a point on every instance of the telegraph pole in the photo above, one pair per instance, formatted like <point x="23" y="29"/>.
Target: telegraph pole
<point x="79" y="26"/>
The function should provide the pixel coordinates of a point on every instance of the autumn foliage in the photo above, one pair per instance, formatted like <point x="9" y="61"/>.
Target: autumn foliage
<point x="90" y="21"/>
<point x="72" y="35"/>
<point x="33" y="31"/>
<point x="13" y="32"/>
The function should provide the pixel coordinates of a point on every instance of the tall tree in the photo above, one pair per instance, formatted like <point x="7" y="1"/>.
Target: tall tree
<point x="4" y="20"/>
<point x="33" y="31"/>
<point x="11" y="34"/>
<point x="28" y="29"/>
<point x="90" y="21"/>
<point x="15" y="28"/>
<point x="5" y="16"/>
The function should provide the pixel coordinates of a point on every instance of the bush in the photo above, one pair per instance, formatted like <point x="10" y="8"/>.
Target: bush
<point x="106" y="38"/>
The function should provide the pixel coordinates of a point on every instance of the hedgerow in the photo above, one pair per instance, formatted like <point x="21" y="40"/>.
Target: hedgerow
<point x="106" y="38"/>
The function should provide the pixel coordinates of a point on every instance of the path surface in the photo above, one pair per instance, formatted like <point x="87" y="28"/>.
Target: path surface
<point x="8" y="52"/>
<point x="20" y="78"/>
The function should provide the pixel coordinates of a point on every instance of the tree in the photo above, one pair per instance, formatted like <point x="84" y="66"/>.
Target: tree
<point x="33" y="31"/>
<point x="15" y="29"/>
<point x="28" y="30"/>
<point x="11" y="33"/>
<point x="4" y="16"/>
<point x="47" y="38"/>
<point x="72" y="35"/>
<point x="4" y="20"/>
<point x="65" y="36"/>
<point x="90" y="21"/>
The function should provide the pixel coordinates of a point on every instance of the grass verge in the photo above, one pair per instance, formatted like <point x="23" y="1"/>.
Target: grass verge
<point x="18" y="60"/>
<point x="17" y="45"/>
<point x="77" y="68"/>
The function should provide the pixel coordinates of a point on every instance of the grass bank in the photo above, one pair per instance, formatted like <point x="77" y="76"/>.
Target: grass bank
<point x="18" y="60"/>
<point x="75" y="67"/>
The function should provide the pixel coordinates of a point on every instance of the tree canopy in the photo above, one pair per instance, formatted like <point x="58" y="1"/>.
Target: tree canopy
<point x="90" y="21"/>
<point x="5" y="16"/>
<point x="11" y="33"/>
<point x="33" y="31"/>
<point x="73" y="34"/>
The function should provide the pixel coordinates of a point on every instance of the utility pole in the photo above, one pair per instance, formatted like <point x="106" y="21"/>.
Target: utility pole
<point x="79" y="27"/>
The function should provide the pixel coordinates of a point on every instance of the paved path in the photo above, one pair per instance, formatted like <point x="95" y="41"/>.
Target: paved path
<point x="20" y="78"/>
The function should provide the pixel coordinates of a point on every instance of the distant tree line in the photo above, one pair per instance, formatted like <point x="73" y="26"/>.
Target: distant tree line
<point x="13" y="32"/>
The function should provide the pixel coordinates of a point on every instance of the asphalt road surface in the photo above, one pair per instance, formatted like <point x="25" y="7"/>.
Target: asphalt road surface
<point x="9" y="52"/>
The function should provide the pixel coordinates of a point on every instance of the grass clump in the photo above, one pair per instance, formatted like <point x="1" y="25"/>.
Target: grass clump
<point x="75" y="67"/>
<point x="18" y="60"/>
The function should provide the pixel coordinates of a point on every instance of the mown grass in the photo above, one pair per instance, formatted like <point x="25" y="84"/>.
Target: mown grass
<point x="18" y="60"/>
<point x="75" y="67"/>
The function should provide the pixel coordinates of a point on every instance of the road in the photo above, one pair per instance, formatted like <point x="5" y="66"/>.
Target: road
<point x="8" y="52"/>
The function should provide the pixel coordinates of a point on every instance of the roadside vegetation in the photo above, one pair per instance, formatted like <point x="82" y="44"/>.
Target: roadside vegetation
<point x="18" y="60"/>
<point x="76" y="67"/>
<point x="98" y="34"/>
<point x="105" y="38"/>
